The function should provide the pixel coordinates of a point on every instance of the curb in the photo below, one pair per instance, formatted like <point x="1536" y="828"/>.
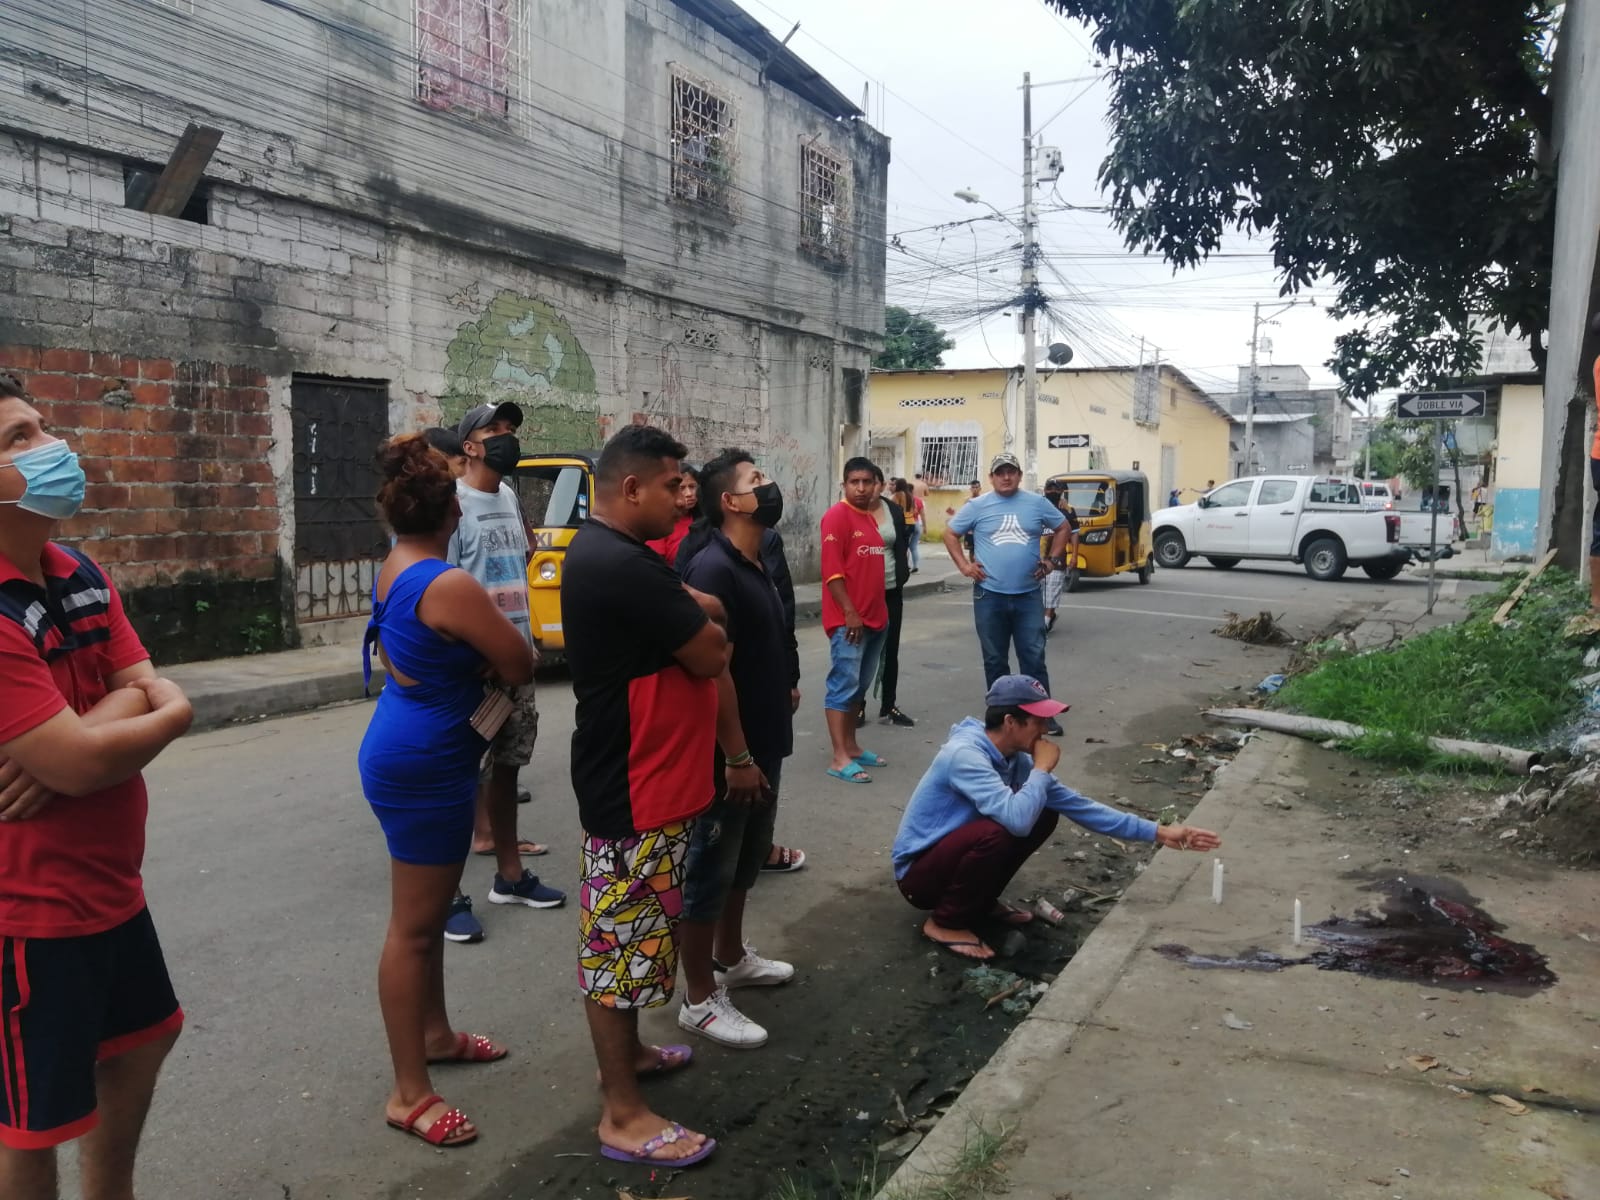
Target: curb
<point x="216" y="706"/>
<point x="1011" y="1081"/>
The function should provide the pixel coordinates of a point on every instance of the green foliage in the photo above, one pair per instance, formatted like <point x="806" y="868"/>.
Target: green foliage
<point x="1510" y="684"/>
<point x="1391" y="147"/>
<point x="911" y="342"/>
<point x="1386" y="447"/>
<point x="262" y="633"/>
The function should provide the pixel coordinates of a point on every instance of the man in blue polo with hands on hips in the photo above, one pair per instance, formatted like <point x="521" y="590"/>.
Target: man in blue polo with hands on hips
<point x="1006" y="570"/>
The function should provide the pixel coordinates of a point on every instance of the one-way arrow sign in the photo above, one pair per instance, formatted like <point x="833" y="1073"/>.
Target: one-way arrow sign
<point x="1068" y="441"/>
<point x="1441" y="406"/>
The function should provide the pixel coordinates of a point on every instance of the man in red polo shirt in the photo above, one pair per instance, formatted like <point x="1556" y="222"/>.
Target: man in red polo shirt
<point x="89" y="1012"/>
<point x="855" y="614"/>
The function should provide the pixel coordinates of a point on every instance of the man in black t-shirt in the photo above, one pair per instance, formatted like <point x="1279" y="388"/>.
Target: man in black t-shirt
<point x="645" y="654"/>
<point x="755" y="733"/>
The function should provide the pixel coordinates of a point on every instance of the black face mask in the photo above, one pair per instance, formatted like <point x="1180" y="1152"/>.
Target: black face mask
<point x="769" y="505"/>
<point x="501" y="453"/>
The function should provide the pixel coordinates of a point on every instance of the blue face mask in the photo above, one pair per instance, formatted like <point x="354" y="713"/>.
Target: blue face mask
<point x="53" y="481"/>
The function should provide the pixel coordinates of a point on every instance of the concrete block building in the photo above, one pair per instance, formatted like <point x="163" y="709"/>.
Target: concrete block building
<point x="607" y="210"/>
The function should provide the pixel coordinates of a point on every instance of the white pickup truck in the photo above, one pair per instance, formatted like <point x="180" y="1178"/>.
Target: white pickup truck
<point x="1319" y="522"/>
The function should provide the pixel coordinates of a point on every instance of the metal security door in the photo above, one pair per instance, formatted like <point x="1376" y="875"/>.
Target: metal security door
<point x="339" y="541"/>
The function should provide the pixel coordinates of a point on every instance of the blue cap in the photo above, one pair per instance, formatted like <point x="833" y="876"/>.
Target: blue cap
<point x="1024" y="692"/>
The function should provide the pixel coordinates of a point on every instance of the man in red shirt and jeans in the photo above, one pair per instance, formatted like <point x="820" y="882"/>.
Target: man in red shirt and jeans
<point x="855" y="615"/>
<point x="89" y="1012"/>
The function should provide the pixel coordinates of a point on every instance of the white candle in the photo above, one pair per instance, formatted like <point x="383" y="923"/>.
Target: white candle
<point x="1297" y="920"/>
<point x="1216" y="880"/>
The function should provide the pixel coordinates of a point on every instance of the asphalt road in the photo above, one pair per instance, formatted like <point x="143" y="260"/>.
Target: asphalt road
<point x="267" y="876"/>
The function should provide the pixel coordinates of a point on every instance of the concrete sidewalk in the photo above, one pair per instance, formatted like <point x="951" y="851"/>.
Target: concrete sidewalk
<point x="1134" y="1075"/>
<point x="266" y="685"/>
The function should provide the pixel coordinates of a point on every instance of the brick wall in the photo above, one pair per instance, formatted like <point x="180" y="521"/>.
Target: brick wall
<point x="182" y="508"/>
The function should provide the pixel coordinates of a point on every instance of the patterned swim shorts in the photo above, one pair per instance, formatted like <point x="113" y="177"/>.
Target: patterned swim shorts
<point x="630" y="900"/>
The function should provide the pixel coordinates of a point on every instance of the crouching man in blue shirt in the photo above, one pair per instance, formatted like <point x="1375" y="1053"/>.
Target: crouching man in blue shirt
<point x="989" y="801"/>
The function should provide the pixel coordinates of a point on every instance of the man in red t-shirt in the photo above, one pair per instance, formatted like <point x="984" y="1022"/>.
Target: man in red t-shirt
<point x="855" y="615"/>
<point x="89" y="1011"/>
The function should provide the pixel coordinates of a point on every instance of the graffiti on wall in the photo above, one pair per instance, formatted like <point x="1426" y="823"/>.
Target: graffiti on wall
<point x="521" y="349"/>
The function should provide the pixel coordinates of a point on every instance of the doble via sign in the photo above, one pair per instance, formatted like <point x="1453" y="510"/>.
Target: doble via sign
<point x="1441" y="406"/>
<point x="1068" y="441"/>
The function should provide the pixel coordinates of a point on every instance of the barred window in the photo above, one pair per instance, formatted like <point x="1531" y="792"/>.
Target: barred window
<point x="704" y="149"/>
<point x="824" y="202"/>
<point x="468" y="53"/>
<point x="948" y="460"/>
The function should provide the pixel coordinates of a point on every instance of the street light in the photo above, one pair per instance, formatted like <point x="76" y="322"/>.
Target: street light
<point x="1030" y="304"/>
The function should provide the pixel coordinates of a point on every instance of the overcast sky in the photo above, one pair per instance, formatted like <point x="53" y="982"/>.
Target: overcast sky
<point x="944" y="80"/>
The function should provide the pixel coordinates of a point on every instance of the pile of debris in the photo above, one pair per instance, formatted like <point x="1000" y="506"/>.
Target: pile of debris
<point x="1260" y="630"/>
<point x="1555" y="812"/>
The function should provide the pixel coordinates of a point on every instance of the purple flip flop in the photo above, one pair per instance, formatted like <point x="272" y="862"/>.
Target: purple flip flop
<point x="665" y="1138"/>
<point x="669" y="1059"/>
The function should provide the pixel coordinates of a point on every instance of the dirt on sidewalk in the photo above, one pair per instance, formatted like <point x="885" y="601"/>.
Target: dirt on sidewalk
<point x="1436" y="1066"/>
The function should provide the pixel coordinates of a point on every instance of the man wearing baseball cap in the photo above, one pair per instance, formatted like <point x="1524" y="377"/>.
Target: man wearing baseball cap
<point x="491" y="544"/>
<point x="1006" y="569"/>
<point x="987" y="802"/>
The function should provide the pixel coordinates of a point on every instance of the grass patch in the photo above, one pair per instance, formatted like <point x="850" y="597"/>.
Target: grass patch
<point x="1471" y="680"/>
<point x="973" y="1174"/>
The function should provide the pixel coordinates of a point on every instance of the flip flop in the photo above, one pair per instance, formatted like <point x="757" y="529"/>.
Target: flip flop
<point x="868" y="759"/>
<point x="473" y="1048"/>
<point x="441" y="1131"/>
<point x="1008" y="915"/>
<point x="526" y="847"/>
<point x="668" y="1059"/>
<point x="646" y="1153"/>
<point x="851" y="773"/>
<point x="789" y="859"/>
<point x="953" y="947"/>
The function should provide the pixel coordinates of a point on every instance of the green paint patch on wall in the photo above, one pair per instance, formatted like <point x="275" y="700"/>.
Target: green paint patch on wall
<point x="522" y="349"/>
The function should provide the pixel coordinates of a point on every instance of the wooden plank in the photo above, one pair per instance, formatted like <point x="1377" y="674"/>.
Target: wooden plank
<point x="1504" y="610"/>
<point x="183" y="171"/>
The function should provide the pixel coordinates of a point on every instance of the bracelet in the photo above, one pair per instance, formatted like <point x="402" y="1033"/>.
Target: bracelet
<point x="742" y="759"/>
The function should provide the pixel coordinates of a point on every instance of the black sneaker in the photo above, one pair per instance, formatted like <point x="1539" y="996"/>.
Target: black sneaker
<point x="895" y="717"/>
<point x="1054" y="728"/>
<point x="861" y="714"/>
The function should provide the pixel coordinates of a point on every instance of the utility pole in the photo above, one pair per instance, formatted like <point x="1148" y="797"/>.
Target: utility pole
<point x="1030" y="300"/>
<point x="1255" y="387"/>
<point x="1366" y="469"/>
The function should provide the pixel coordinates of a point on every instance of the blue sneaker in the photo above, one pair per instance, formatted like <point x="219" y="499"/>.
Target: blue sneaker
<point x="461" y="925"/>
<point x="527" y="890"/>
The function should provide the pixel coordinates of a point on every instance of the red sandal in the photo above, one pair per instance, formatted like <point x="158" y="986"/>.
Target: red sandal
<point x="444" y="1129"/>
<point x="473" y="1048"/>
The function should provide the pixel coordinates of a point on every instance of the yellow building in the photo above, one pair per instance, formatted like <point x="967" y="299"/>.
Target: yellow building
<point x="948" y="425"/>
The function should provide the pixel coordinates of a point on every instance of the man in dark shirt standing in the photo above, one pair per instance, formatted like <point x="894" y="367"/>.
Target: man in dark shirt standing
<point x="755" y="733"/>
<point x="645" y="654"/>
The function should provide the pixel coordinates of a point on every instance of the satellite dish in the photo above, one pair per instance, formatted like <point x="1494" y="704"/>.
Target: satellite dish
<point x="1059" y="353"/>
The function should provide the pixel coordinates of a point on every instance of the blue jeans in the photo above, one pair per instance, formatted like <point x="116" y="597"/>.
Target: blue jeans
<point x="1003" y="619"/>
<point x="853" y="667"/>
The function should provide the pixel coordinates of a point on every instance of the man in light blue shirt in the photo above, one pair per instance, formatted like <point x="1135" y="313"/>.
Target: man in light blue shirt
<point x="987" y="802"/>
<point x="1007" y="606"/>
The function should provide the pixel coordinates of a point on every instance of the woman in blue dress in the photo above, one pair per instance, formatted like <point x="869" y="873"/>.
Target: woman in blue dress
<point x="441" y="638"/>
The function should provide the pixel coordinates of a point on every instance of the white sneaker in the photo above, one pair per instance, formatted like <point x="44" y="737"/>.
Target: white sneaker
<point x="754" y="971"/>
<point x="716" y="1018"/>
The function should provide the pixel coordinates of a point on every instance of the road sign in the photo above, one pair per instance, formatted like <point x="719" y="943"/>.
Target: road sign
<point x="1441" y="406"/>
<point x="1068" y="441"/>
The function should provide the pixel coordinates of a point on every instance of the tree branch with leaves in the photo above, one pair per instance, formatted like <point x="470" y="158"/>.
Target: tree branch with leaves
<point x="1395" y="148"/>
